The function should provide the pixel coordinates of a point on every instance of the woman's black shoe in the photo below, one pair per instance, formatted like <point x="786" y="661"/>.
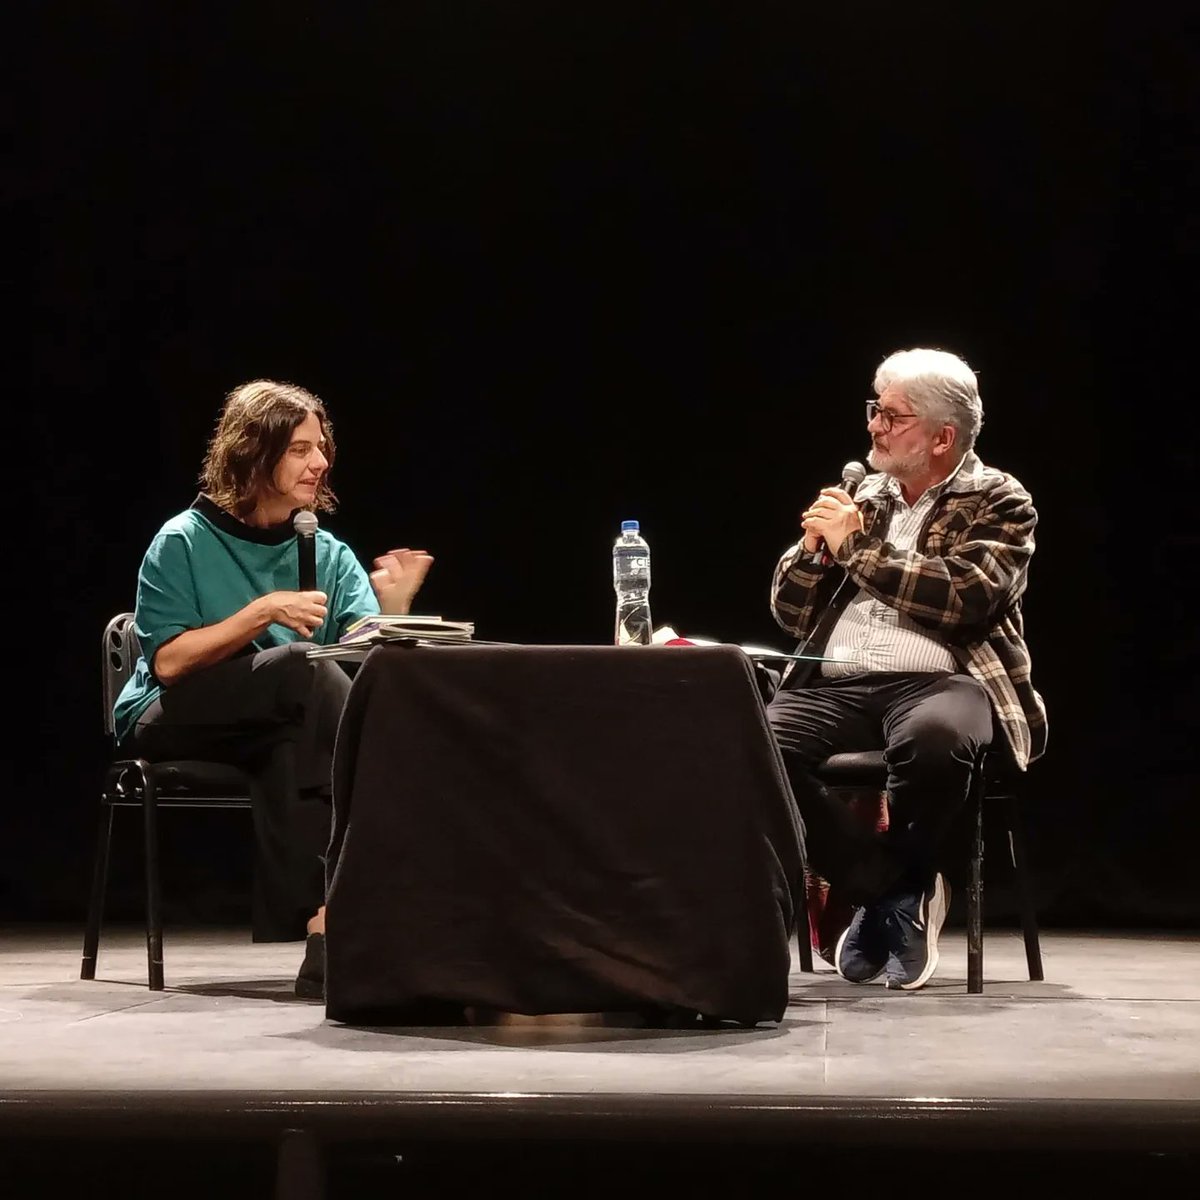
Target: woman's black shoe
<point x="310" y="983"/>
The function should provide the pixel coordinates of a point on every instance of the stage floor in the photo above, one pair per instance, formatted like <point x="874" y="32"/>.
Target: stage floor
<point x="1118" y="1017"/>
<point x="227" y="1084"/>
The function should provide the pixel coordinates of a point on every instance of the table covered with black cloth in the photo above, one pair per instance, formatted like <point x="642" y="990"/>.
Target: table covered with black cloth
<point x="553" y="829"/>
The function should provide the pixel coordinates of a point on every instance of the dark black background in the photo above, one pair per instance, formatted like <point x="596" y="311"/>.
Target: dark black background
<point x="551" y="266"/>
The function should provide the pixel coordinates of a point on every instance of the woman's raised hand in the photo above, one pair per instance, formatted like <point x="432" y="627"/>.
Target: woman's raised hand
<point x="398" y="576"/>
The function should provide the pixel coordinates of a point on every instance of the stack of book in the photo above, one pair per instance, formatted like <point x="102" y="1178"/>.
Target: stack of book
<point x="410" y="628"/>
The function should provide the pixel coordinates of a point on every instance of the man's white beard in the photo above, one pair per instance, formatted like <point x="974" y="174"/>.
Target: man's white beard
<point x="910" y="466"/>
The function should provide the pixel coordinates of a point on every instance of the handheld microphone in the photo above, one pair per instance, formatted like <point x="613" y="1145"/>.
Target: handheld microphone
<point x="853" y="473"/>
<point x="305" y="525"/>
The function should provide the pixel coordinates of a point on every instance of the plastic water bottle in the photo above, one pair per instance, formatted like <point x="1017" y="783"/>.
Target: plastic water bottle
<point x="631" y="581"/>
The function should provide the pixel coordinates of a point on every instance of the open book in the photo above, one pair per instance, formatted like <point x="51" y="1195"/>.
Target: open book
<point x="666" y="636"/>
<point x="370" y="631"/>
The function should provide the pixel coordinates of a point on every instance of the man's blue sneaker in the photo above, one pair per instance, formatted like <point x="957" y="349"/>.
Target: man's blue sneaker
<point x="862" y="950"/>
<point x="913" y="924"/>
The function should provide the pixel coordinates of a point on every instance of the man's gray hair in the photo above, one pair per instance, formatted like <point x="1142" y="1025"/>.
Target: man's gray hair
<point x="941" y="388"/>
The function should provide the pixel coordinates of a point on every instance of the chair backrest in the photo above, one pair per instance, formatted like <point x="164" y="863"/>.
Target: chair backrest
<point x="119" y="654"/>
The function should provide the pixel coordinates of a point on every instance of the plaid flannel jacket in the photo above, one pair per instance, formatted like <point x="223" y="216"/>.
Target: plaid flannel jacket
<point x="964" y="582"/>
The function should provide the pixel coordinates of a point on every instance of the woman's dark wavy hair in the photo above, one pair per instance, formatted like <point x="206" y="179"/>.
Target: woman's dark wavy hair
<point x="253" y="432"/>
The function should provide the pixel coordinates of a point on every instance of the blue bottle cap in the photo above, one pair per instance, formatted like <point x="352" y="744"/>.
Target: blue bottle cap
<point x="629" y="527"/>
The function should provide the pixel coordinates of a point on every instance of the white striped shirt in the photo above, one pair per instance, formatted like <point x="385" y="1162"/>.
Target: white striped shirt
<point x="873" y="635"/>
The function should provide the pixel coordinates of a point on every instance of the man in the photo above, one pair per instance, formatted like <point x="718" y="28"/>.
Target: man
<point x="911" y="591"/>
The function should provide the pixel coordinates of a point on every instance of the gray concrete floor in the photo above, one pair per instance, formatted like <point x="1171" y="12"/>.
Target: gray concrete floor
<point x="1118" y="1017"/>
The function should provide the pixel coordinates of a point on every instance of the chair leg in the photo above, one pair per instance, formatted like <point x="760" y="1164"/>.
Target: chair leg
<point x="803" y="928"/>
<point x="95" y="913"/>
<point x="154" y="954"/>
<point x="1020" y="862"/>
<point x="975" y="891"/>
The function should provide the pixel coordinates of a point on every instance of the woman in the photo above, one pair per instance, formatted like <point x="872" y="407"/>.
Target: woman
<point x="224" y="673"/>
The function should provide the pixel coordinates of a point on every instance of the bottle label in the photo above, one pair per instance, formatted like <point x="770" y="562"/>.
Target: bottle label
<point x="634" y="627"/>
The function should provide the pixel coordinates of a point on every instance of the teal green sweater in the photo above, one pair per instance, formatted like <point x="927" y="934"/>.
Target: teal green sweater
<point x="204" y="565"/>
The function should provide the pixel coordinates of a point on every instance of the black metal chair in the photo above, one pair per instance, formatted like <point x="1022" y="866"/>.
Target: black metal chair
<point x="136" y="783"/>
<point x="992" y="782"/>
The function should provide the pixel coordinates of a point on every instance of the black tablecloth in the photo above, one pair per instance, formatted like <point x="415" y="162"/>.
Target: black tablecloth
<point x="541" y="829"/>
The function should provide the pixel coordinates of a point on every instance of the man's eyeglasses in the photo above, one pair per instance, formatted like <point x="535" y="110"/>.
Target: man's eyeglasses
<point x="887" y="418"/>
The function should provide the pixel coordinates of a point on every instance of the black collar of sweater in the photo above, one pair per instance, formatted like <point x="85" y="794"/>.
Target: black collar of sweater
<point x="270" y="535"/>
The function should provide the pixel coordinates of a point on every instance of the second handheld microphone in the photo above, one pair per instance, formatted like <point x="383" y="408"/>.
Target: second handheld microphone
<point x="853" y="473"/>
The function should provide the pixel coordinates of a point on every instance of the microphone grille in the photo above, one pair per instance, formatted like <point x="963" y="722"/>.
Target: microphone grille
<point x="854" y="472"/>
<point x="305" y="523"/>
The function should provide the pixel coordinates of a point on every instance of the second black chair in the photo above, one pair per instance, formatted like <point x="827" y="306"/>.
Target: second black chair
<point x="992" y="782"/>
